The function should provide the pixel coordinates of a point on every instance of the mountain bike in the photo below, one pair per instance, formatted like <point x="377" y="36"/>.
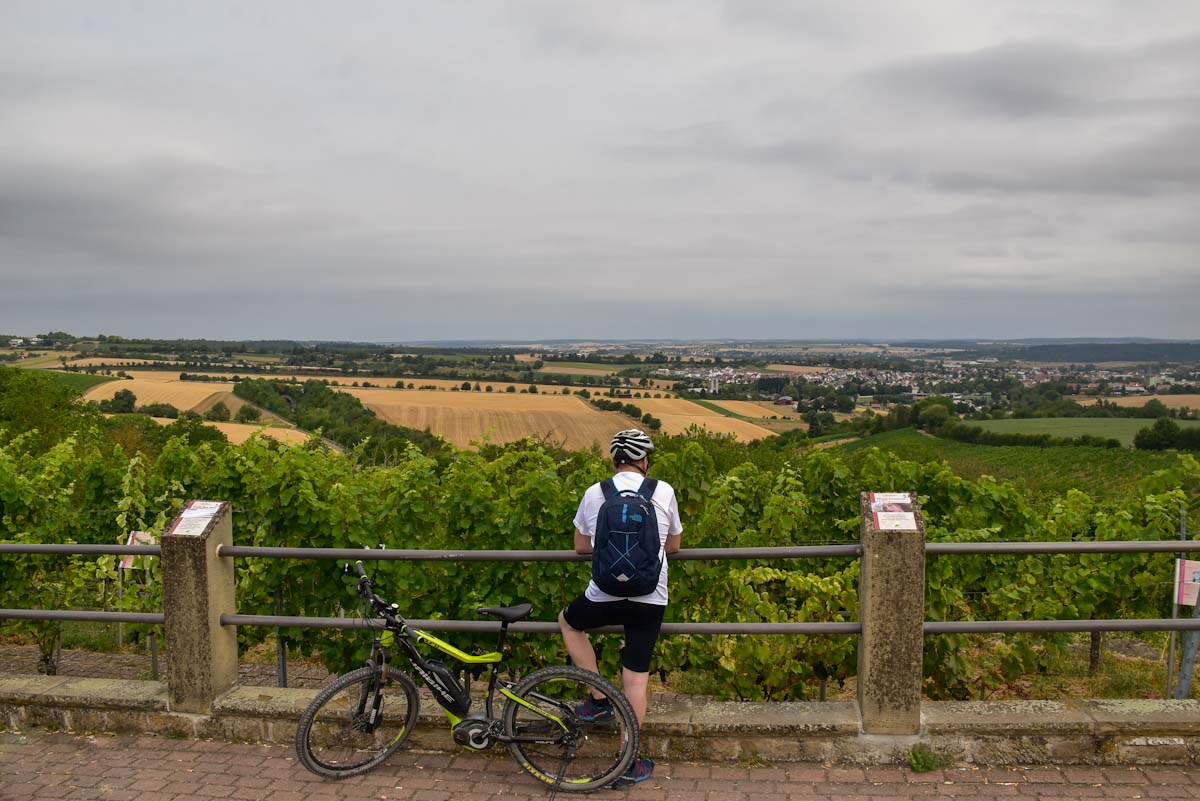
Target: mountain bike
<point x="547" y="722"/>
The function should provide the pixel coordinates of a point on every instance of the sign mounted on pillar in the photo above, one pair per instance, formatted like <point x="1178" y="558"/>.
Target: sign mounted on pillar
<point x="202" y="658"/>
<point x="893" y="511"/>
<point x="1187" y="581"/>
<point x="891" y="603"/>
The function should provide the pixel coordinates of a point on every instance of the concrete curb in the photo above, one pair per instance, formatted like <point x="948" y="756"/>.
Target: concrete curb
<point x="1101" y="732"/>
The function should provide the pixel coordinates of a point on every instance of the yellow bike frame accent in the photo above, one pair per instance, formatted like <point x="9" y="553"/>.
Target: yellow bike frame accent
<point x="461" y="656"/>
<point x="507" y="693"/>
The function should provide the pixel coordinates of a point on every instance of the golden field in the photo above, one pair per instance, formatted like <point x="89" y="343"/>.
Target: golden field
<point x="764" y="410"/>
<point x="1170" y="401"/>
<point x="797" y="368"/>
<point x="678" y="415"/>
<point x="240" y="432"/>
<point x="237" y="433"/>
<point x="93" y="361"/>
<point x="164" y="388"/>
<point x="462" y="417"/>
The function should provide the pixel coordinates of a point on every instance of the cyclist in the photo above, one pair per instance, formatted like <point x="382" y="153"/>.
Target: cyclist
<point x="641" y="616"/>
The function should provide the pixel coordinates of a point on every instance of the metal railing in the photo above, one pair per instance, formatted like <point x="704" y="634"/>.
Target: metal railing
<point x="851" y="550"/>
<point x="847" y="550"/>
<point x="1064" y="547"/>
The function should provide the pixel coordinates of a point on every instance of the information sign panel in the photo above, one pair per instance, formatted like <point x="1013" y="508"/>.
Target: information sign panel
<point x="893" y="511"/>
<point x="194" y="519"/>
<point x="1187" y="581"/>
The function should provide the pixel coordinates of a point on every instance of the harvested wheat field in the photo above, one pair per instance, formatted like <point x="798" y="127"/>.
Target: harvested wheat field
<point x="240" y="432"/>
<point x="501" y="417"/>
<point x="678" y="415"/>
<point x="599" y="372"/>
<point x="183" y="395"/>
<point x="117" y="361"/>
<point x="799" y="369"/>
<point x="1170" y="401"/>
<point x="237" y="433"/>
<point x="765" y="410"/>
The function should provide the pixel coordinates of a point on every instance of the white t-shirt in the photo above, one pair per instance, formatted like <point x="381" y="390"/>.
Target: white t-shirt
<point x="666" y="511"/>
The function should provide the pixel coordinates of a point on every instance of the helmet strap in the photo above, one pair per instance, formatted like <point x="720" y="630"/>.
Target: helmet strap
<point x="623" y="463"/>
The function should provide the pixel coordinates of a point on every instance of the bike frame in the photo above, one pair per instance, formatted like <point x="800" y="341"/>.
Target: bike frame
<point x="398" y="633"/>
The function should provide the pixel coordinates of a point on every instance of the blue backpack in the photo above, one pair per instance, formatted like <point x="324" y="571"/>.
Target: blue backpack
<point x="627" y="551"/>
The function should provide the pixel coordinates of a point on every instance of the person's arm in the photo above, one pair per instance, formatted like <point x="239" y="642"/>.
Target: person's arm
<point x="672" y="543"/>
<point x="583" y="543"/>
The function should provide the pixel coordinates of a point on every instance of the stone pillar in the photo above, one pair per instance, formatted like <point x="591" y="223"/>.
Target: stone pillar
<point x="202" y="657"/>
<point x="891" y="603"/>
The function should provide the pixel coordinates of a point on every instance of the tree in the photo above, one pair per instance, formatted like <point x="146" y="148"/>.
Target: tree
<point x="32" y="400"/>
<point x="219" y="413"/>
<point x="159" y="410"/>
<point x="510" y="388"/>
<point x="123" y="401"/>
<point x="934" y="417"/>
<point x="248" y="414"/>
<point x="1158" y="437"/>
<point x="533" y="389"/>
<point x="466" y="386"/>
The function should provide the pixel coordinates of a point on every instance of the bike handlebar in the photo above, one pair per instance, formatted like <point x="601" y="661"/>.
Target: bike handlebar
<point x="366" y="591"/>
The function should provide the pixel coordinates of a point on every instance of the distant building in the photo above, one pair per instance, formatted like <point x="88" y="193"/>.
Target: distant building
<point x="784" y="400"/>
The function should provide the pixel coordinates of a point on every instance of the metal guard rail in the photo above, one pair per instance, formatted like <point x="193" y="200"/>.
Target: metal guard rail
<point x="383" y="554"/>
<point x="1091" y="546"/>
<point x="82" y="550"/>
<point x="480" y="626"/>
<point x="535" y="627"/>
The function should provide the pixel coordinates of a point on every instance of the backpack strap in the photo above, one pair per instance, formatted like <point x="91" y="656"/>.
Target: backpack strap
<point x="608" y="488"/>
<point x="649" y="485"/>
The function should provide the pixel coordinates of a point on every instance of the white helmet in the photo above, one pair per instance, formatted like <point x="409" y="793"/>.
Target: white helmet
<point x="631" y="445"/>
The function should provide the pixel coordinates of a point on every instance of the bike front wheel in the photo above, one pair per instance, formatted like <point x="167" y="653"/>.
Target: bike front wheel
<point x="344" y="732"/>
<point x="556" y="739"/>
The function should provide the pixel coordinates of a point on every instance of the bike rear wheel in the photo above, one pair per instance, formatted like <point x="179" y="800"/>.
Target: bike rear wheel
<point x="550" y="738"/>
<point x="338" y="737"/>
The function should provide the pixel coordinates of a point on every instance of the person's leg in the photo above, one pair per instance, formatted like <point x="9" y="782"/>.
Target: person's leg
<point x="579" y="645"/>
<point x="574" y="621"/>
<point x="634" y="685"/>
<point x="642" y="625"/>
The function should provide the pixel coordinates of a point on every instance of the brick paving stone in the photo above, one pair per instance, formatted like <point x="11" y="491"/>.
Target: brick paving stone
<point x="847" y="775"/>
<point x="1167" y="791"/>
<point x="1083" y="775"/>
<point x="1165" y="776"/>
<point x="1124" y="776"/>
<point x="927" y="777"/>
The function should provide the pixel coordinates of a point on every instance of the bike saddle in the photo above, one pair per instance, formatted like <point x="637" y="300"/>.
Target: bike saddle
<point x="508" y="614"/>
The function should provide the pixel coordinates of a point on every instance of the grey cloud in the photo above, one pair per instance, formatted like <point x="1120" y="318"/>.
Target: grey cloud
<point x="1159" y="163"/>
<point x="1044" y="80"/>
<point x="820" y="22"/>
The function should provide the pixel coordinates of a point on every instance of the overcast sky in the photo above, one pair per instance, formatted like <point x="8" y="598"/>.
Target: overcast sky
<point x="520" y="170"/>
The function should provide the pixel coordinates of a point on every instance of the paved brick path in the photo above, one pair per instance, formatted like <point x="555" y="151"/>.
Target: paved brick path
<point x="51" y="766"/>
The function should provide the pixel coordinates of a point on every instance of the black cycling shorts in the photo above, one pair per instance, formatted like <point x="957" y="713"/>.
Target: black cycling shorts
<point x="641" y="622"/>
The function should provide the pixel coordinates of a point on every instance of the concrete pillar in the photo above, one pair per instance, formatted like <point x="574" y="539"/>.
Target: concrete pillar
<point x="891" y="598"/>
<point x="202" y="657"/>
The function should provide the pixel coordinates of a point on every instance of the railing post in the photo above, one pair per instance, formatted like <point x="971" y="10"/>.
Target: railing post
<point x="891" y="602"/>
<point x="202" y="658"/>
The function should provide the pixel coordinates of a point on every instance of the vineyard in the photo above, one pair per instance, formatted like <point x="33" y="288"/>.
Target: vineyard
<point x="1044" y="475"/>
<point x="81" y="488"/>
